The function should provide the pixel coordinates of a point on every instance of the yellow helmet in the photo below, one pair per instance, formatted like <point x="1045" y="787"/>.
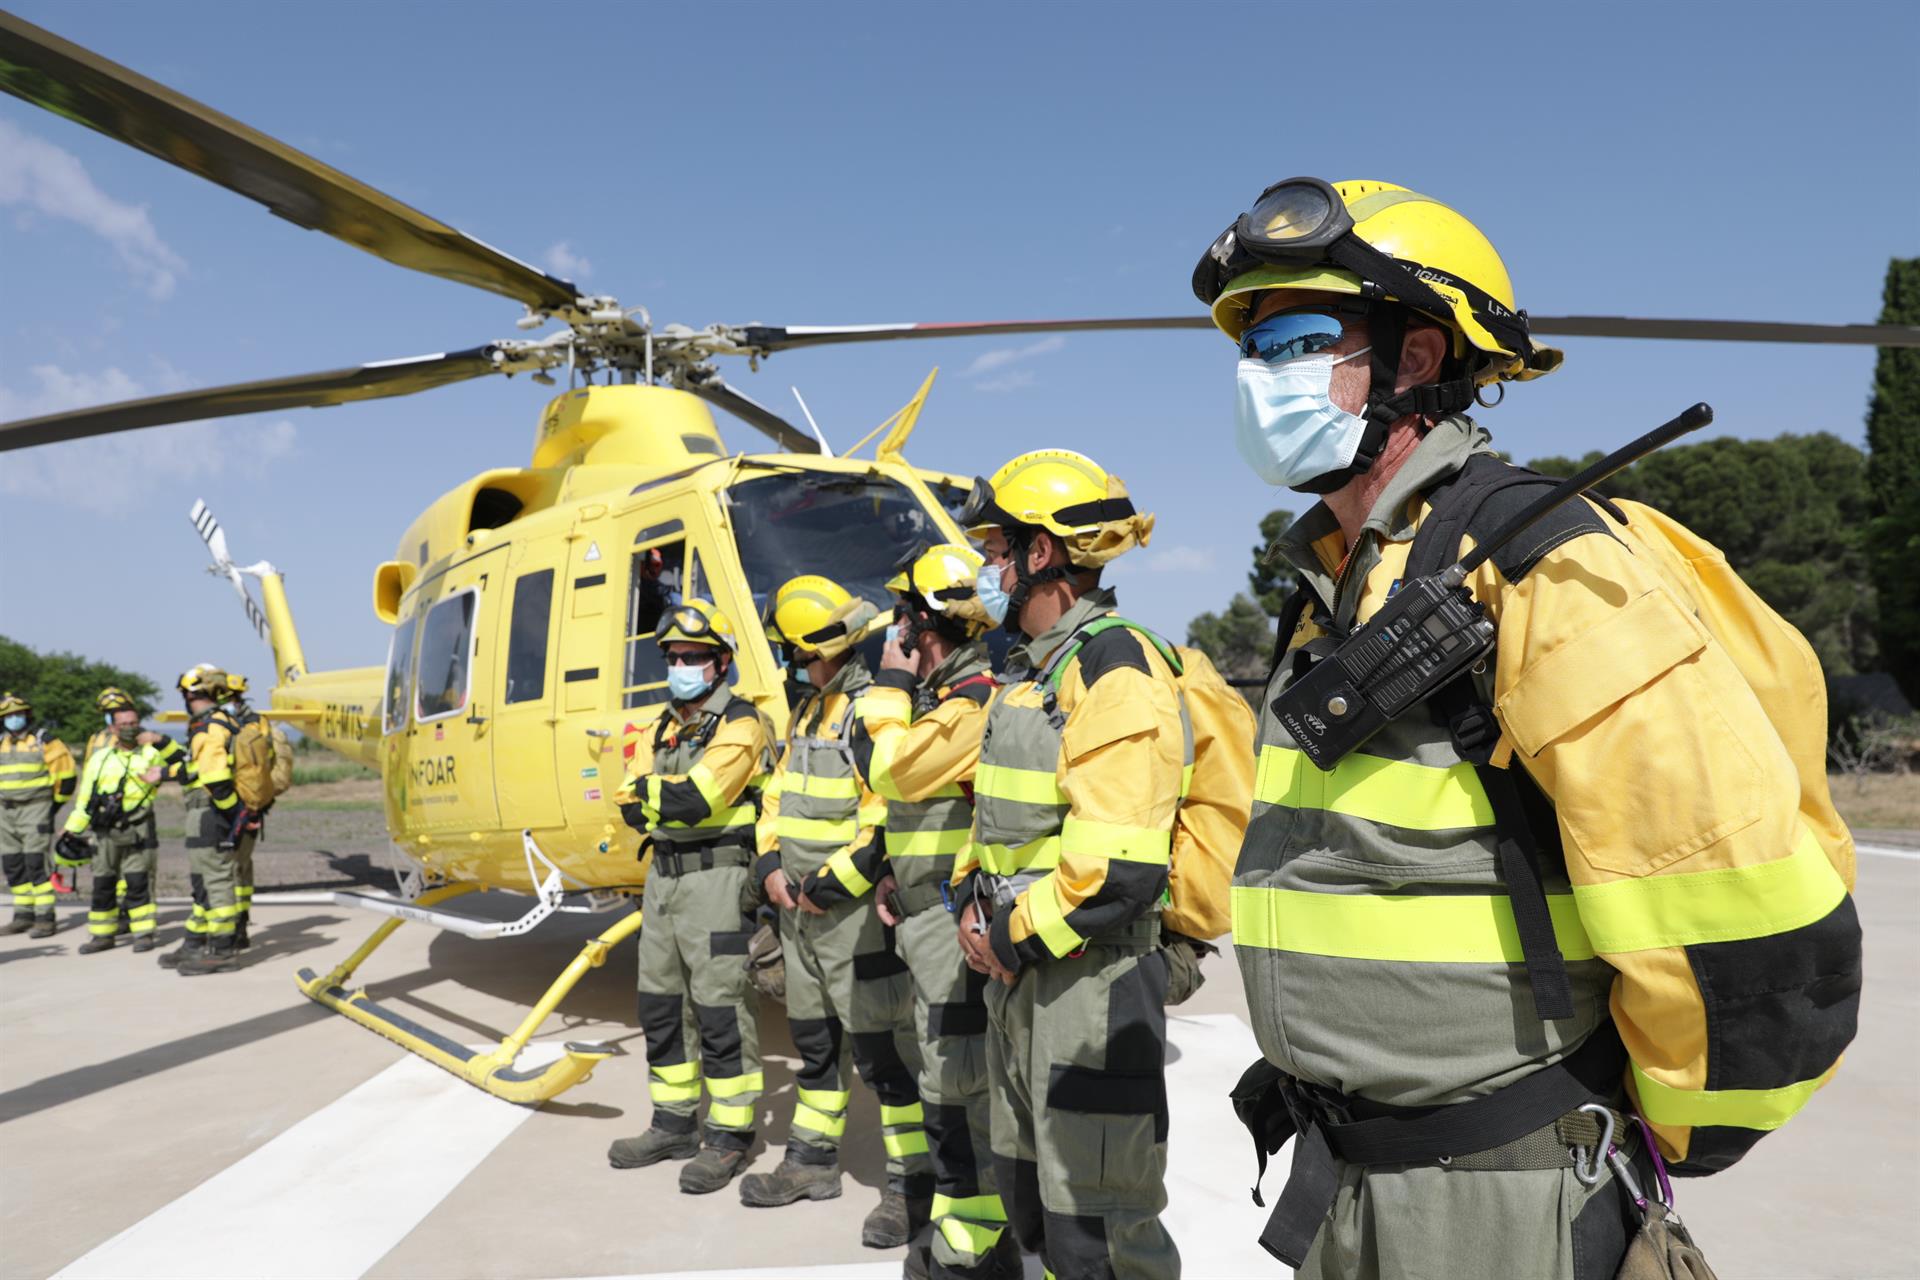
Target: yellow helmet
<point x="812" y="614"/>
<point x="12" y="703"/>
<point x="696" y="622"/>
<point x="203" y="680"/>
<point x="1065" y="493"/>
<point x="1382" y="242"/>
<point x="941" y="580"/>
<point x="236" y="684"/>
<point x="113" y="698"/>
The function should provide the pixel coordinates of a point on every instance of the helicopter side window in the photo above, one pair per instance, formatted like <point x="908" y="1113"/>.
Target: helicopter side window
<point x="654" y="588"/>
<point x="399" y="675"/>
<point x="527" y="637"/>
<point x="445" y="662"/>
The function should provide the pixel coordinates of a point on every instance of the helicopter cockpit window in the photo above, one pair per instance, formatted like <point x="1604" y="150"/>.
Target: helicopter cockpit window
<point x="445" y="662"/>
<point x="851" y="528"/>
<point x="399" y="675"/>
<point x="654" y="588"/>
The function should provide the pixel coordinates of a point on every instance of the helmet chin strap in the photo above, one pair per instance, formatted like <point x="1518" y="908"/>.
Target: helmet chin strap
<point x="1387" y="327"/>
<point x="1025" y="582"/>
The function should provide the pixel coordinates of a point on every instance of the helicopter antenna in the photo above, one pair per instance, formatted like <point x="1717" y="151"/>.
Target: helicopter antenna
<point x="825" y="448"/>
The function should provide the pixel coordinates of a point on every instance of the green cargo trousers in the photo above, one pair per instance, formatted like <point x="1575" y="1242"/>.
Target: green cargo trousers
<point x="693" y="954"/>
<point x="828" y="956"/>
<point x="211" y="870"/>
<point x="123" y="863"/>
<point x="243" y="874"/>
<point x="1425" y="1220"/>
<point x="950" y="1016"/>
<point x="1076" y="1049"/>
<point x="26" y="839"/>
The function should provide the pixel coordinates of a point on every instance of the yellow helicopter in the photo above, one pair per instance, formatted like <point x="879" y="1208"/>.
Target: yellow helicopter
<point x="524" y="601"/>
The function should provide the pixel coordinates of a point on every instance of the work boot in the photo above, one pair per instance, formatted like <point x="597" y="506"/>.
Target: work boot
<point x="99" y="942"/>
<point x="790" y="1181"/>
<point x="21" y="922"/>
<point x="145" y="942"/>
<point x="43" y="927"/>
<point x="892" y="1222"/>
<point x="711" y="1170"/>
<point x="215" y="957"/>
<point x="192" y="944"/>
<point x="240" y="942"/>
<point x="651" y="1147"/>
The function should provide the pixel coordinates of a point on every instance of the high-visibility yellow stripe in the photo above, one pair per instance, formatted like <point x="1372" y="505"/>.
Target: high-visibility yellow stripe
<point x="1023" y="786"/>
<point x="926" y="844"/>
<point x="1111" y="840"/>
<point x="1739" y="1108"/>
<point x="661" y="1091"/>
<point x="734" y="1086"/>
<point x="1438" y="929"/>
<point x="805" y="1117"/>
<point x="1049" y="920"/>
<point x="1035" y="855"/>
<point x="820" y="830"/>
<point x="841" y="865"/>
<point x="707" y="785"/>
<point x="872" y="815"/>
<point x="1398" y="793"/>
<point x="967" y="1238"/>
<point x="723" y="1115"/>
<point x="822" y="788"/>
<point x="826" y="1099"/>
<point x="912" y="1143"/>
<point x="148" y="910"/>
<point x="980" y="1208"/>
<point x="1186" y="780"/>
<point x="1713" y="906"/>
<point x="677" y="1072"/>
<point x="912" y="1113"/>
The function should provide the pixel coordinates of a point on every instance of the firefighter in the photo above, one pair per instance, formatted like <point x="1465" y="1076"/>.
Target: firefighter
<point x="36" y="778"/>
<point x="923" y="716"/>
<point x="214" y="814"/>
<point x="1080" y="777"/>
<point x="277" y="778"/>
<point x="1596" y="836"/>
<point x="818" y="827"/>
<point x="115" y="805"/>
<point x="692" y="789"/>
<point x="110" y="701"/>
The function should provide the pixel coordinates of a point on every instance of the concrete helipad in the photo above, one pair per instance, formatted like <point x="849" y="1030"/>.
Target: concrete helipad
<point x="152" y="1125"/>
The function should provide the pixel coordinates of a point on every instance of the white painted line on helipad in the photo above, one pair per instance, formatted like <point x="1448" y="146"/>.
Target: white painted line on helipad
<point x="1888" y="851"/>
<point x="333" y="1194"/>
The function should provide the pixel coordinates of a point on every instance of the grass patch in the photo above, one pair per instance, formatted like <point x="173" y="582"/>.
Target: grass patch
<point x="306" y="774"/>
<point x="329" y="806"/>
<point x="1877" y="801"/>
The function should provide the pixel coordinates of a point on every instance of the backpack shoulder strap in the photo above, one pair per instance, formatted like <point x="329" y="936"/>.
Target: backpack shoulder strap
<point x="1482" y="496"/>
<point x="1070" y="651"/>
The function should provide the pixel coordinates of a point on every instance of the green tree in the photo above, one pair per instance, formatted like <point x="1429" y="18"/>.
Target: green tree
<point x="62" y="688"/>
<point x="1239" y="640"/>
<point x="1893" y="474"/>
<point x="1272" y="579"/>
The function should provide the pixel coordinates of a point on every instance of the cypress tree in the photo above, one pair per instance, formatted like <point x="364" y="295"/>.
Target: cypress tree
<point x="1893" y="475"/>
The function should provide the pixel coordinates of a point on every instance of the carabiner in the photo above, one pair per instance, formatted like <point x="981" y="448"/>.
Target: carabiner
<point x="1589" y="1173"/>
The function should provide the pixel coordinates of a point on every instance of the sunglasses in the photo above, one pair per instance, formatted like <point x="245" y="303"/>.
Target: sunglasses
<point x="1288" y="335"/>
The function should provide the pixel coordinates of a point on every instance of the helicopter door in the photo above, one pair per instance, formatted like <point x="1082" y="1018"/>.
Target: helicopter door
<point x="450" y="766"/>
<point x="523" y="763"/>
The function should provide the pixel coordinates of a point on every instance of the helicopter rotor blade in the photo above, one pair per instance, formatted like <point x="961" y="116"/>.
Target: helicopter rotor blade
<point x="41" y="68"/>
<point x="769" y="338"/>
<point x="715" y="391"/>
<point x="337" y="386"/>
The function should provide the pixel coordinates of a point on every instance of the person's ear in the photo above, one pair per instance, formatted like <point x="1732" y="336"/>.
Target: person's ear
<point x="1043" y="552"/>
<point x="1422" y="353"/>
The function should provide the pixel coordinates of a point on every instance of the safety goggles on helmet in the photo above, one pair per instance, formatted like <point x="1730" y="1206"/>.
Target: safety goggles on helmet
<point x="114" y="699"/>
<point x="689" y="625"/>
<point x="1288" y="335"/>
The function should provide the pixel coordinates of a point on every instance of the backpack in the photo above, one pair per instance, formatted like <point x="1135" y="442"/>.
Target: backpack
<point x="282" y="760"/>
<point x="1212" y="816"/>
<point x="253" y="764"/>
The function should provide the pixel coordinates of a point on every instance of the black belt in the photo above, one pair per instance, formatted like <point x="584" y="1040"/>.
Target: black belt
<point x="1275" y="1106"/>
<point x="672" y="861"/>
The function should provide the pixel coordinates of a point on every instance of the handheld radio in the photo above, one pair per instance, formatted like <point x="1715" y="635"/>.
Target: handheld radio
<point x="1429" y="632"/>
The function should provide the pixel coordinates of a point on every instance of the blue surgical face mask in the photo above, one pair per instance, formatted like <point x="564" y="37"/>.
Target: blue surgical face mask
<point x="687" y="683"/>
<point x="1287" y="427"/>
<point x="986" y="585"/>
<point x="15" y="723"/>
<point x="893" y="635"/>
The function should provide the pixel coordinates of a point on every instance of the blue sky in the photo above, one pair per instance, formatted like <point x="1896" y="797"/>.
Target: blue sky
<point x="839" y="163"/>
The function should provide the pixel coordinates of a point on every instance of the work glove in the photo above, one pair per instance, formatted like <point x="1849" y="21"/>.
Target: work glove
<point x="1183" y="956"/>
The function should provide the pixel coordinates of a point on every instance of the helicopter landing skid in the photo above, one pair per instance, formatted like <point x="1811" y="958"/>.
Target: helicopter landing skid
<point x="493" y="1071"/>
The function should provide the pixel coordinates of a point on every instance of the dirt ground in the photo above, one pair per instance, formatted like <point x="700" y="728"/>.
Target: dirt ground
<point x="325" y="836"/>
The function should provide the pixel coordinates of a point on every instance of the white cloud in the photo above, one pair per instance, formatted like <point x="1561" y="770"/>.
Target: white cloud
<point x="562" y="261"/>
<point x="1001" y="357"/>
<point x="109" y="474"/>
<point x="1011" y="380"/>
<point x="41" y="178"/>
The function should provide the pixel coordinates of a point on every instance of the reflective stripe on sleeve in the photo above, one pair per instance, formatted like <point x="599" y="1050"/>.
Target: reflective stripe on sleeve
<point x="1740" y="1108"/>
<point x="1111" y="840"/>
<point x="1049" y="918"/>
